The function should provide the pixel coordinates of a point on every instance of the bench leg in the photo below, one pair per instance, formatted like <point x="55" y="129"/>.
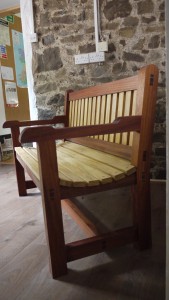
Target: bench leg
<point x="54" y="236"/>
<point x="20" y="175"/>
<point x="51" y="201"/>
<point x="142" y="213"/>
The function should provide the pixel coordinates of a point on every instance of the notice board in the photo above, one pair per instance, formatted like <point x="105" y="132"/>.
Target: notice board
<point x="13" y="69"/>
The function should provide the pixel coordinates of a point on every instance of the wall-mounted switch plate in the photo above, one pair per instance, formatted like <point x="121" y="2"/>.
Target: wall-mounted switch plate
<point x="103" y="46"/>
<point x="81" y="59"/>
<point x="96" y="57"/>
<point x="33" y="37"/>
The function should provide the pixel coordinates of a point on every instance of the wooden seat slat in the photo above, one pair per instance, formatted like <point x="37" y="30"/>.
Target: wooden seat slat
<point x="29" y="156"/>
<point x="72" y="173"/>
<point x="86" y="172"/>
<point x="77" y="169"/>
<point x="96" y="166"/>
<point x="30" y="161"/>
<point x="67" y="174"/>
<point x="108" y="159"/>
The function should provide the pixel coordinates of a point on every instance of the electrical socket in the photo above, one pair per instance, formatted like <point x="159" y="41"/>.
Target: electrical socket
<point x="81" y="59"/>
<point x="103" y="46"/>
<point x="34" y="37"/>
<point x="96" y="57"/>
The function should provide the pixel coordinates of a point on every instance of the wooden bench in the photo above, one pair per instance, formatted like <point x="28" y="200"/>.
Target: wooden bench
<point x="105" y="144"/>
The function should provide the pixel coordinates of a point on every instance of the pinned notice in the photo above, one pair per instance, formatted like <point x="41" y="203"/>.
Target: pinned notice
<point x="7" y="73"/>
<point x="4" y="30"/>
<point x="11" y="94"/>
<point x="3" y="52"/>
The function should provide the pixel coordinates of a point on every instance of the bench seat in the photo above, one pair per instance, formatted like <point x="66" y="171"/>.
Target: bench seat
<point x="80" y="166"/>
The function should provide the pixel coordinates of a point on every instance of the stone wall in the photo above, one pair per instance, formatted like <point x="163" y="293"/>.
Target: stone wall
<point x="135" y="30"/>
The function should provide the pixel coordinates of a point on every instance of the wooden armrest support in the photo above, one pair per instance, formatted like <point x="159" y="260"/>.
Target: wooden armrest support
<point x="121" y="124"/>
<point x="55" y="120"/>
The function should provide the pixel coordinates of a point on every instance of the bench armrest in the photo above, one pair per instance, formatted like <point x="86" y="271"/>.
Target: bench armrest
<point x="55" y="120"/>
<point x="41" y="133"/>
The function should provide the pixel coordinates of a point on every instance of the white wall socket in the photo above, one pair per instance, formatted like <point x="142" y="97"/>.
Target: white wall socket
<point x="96" y="57"/>
<point x="103" y="46"/>
<point x="87" y="58"/>
<point x="33" y="37"/>
<point x="81" y="59"/>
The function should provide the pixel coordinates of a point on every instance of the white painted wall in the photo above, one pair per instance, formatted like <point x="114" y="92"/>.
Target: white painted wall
<point x="4" y="4"/>
<point x="27" y="28"/>
<point x="167" y="136"/>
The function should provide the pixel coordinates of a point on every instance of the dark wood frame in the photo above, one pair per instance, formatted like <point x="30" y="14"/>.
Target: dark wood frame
<point x="52" y="193"/>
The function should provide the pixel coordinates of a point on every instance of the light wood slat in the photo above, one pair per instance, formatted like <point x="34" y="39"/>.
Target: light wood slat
<point x="99" y="168"/>
<point x="134" y="103"/>
<point x="70" y="115"/>
<point x="66" y="178"/>
<point x="93" y="111"/>
<point x="93" y="117"/>
<point x="108" y="159"/>
<point x="123" y="151"/>
<point x="32" y="152"/>
<point x="79" y="170"/>
<point x="79" y="112"/>
<point x="120" y="110"/>
<point x="108" y="114"/>
<point x="98" y="109"/>
<point x="82" y="169"/>
<point x="113" y="114"/>
<point x="72" y="170"/>
<point x="89" y="111"/>
<point x="72" y="112"/>
<point x="31" y="162"/>
<point x="88" y="172"/>
<point x="127" y="112"/>
<point x="82" y="113"/>
<point x="102" y="113"/>
<point x="75" y="113"/>
<point x="85" y="111"/>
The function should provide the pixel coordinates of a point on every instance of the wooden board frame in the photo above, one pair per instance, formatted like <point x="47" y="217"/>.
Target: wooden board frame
<point x="9" y="11"/>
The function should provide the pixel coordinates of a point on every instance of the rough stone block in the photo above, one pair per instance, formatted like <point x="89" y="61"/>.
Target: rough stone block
<point x="145" y="7"/>
<point x="49" y="60"/>
<point x="154" y="42"/>
<point x="117" y="9"/>
<point x="129" y="56"/>
<point x="44" y="114"/>
<point x="127" y="32"/>
<point x="48" y="40"/>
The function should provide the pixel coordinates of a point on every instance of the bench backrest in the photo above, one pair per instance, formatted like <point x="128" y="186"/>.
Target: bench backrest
<point x="102" y="104"/>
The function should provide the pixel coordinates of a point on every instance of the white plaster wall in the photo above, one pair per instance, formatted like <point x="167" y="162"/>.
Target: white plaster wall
<point x="8" y="3"/>
<point x="167" y="195"/>
<point x="27" y="28"/>
<point x="2" y="111"/>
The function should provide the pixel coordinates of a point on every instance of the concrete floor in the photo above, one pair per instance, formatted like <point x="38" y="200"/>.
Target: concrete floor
<point x="122" y="274"/>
